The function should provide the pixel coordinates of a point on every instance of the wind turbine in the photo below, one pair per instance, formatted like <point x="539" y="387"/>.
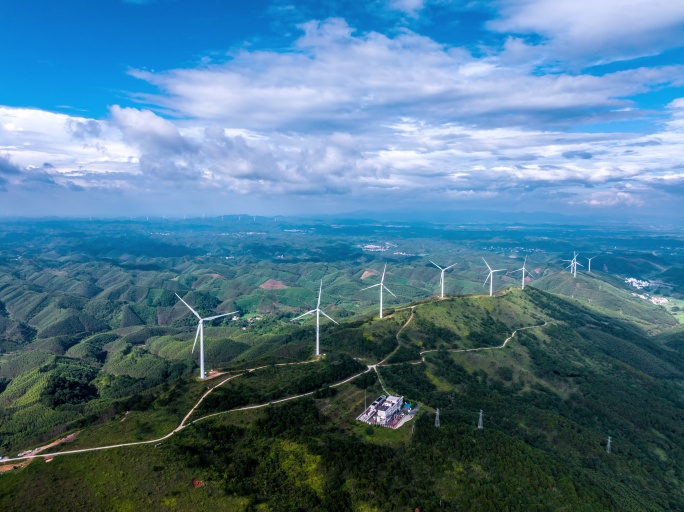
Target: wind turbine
<point x="318" y="312"/>
<point x="200" y="333"/>
<point x="490" y="277"/>
<point x="589" y="260"/>
<point x="381" y="284"/>
<point x="573" y="264"/>
<point x="523" y="272"/>
<point x="441" y="276"/>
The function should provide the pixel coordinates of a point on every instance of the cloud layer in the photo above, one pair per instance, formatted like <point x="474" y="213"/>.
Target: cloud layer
<point x="366" y="118"/>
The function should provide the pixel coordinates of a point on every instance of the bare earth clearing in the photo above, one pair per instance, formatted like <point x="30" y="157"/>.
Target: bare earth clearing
<point x="273" y="284"/>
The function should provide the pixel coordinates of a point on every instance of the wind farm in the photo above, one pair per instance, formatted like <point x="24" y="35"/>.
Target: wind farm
<point x="275" y="387"/>
<point x="170" y="168"/>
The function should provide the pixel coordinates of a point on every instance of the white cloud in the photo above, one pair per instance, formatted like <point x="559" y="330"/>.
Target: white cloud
<point x="596" y="31"/>
<point x="410" y="7"/>
<point x="347" y="114"/>
<point x="334" y="79"/>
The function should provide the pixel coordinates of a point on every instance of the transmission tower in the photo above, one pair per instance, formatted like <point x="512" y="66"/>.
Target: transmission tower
<point x="437" y="419"/>
<point x="479" y="422"/>
<point x="608" y="445"/>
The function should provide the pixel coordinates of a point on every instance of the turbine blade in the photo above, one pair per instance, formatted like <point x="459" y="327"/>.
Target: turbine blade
<point x="371" y="286"/>
<point x="383" y="274"/>
<point x="435" y="264"/>
<point x="486" y="280"/>
<point x="578" y="263"/>
<point x="188" y="305"/>
<point x="490" y="268"/>
<point x="218" y="316"/>
<point x="199" y="326"/>
<point x="451" y="266"/>
<point x="304" y="314"/>
<point x="385" y="287"/>
<point x="320" y="290"/>
<point x="326" y="315"/>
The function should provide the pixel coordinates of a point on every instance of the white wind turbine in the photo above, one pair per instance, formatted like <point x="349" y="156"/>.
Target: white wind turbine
<point x="573" y="264"/>
<point x="589" y="260"/>
<point x="441" y="276"/>
<point x="318" y="312"/>
<point x="200" y="333"/>
<point x="523" y="272"/>
<point x="381" y="284"/>
<point x="490" y="277"/>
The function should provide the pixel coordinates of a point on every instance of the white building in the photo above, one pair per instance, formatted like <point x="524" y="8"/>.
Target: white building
<point x="389" y="408"/>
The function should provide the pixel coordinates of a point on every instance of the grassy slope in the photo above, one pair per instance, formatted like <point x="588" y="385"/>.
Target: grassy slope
<point x="608" y="299"/>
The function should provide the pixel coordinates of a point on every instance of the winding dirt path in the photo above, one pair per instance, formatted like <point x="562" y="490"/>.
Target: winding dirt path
<point x="185" y="423"/>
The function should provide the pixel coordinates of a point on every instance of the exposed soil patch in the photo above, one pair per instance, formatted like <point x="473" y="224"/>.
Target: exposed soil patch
<point x="217" y="276"/>
<point x="197" y="483"/>
<point x="369" y="273"/>
<point x="24" y="463"/>
<point x="273" y="284"/>
<point x="14" y="465"/>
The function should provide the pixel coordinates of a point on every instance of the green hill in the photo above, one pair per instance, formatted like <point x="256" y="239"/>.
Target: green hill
<point x="570" y="377"/>
<point x="607" y="298"/>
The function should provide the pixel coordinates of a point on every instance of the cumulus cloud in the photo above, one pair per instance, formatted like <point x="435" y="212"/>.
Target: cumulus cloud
<point x="596" y="31"/>
<point x="350" y="114"/>
<point x="336" y="79"/>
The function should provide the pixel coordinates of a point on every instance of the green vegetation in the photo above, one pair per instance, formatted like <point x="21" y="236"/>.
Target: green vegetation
<point x="92" y="338"/>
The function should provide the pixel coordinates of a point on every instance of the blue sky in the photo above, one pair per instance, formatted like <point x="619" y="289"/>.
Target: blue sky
<point x="270" y="107"/>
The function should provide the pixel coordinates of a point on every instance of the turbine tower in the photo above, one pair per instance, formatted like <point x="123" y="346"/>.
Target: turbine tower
<point x="441" y="276"/>
<point x="608" y="445"/>
<point x="318" y="312"/>
<point x="200" y="333"/>
<point x="523" y="272"/>
<point x="589" y="260"/>
<point x="381" y="284"/>
<point x="490" y="277"/>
